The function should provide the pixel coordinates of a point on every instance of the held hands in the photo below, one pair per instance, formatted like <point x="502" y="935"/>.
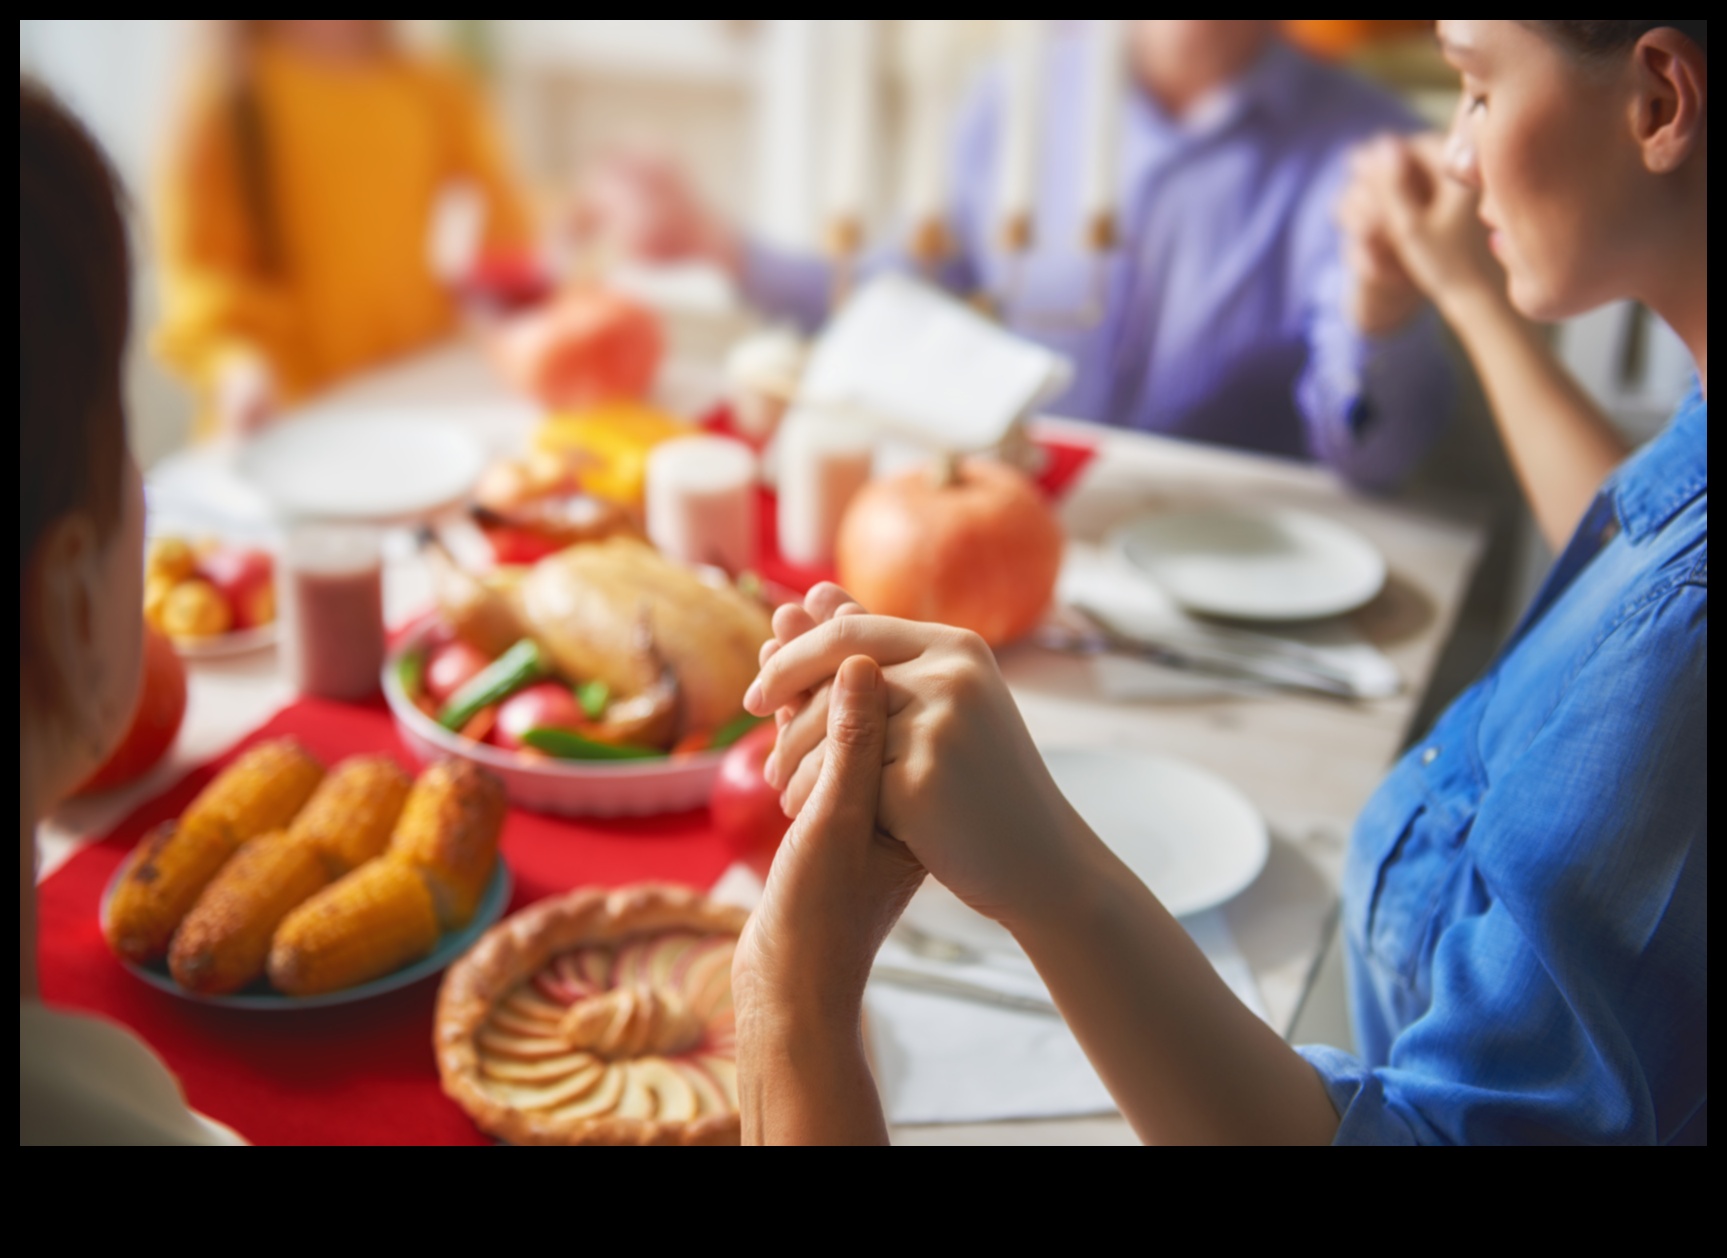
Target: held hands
<point x="962" y="786"/>
<point x="837" y="884"/>
<point x="1421" y="220"/>
<point x="644" y="209"/>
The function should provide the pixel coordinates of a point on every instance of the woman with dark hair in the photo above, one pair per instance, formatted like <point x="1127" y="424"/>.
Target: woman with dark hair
<point x="297" y="207"/>
<point x="1525" y="902"/>
<point x="80" y="582"/>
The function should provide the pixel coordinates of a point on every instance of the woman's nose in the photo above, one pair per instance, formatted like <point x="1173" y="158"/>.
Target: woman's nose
<point x="1460" y="159"/>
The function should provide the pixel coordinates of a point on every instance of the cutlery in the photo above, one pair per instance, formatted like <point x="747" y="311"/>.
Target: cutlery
<point x="947" y="985"/>
<point x="1280" y="669"/>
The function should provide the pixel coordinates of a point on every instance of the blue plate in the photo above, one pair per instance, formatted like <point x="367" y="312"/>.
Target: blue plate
<point x="259" y="996"/>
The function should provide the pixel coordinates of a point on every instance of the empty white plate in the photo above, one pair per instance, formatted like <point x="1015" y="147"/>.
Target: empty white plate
<point x="1190" y="836"/>
<point x="379" y="465"/>
<point x="1255" y="565"/>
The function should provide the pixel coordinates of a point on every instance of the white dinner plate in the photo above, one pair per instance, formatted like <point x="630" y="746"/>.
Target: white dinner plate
<point x="1189" y="835"/>
<point x="221" y="646"/>
<point x="1255" y="565"/>
<point x="382" y="465"/>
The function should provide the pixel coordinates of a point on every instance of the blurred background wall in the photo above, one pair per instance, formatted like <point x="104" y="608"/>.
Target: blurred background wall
<point x="746" y="106"/>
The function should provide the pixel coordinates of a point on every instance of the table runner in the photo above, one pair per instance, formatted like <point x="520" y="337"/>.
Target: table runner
<point x="354" y="1074"/>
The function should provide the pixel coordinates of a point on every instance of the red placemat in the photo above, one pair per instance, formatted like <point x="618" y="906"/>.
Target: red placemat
<point x="353" y="1074"/>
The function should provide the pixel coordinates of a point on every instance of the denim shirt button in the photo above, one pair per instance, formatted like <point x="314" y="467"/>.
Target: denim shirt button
<point x="1429" y="756"/>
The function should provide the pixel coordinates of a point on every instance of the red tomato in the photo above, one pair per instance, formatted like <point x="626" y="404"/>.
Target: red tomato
<point x="746" y="810"/>
<point x="246" y="578"/>
<point x="161" y="708"/>
<point x="449" y="668"/>
<point x="543" y="705"/>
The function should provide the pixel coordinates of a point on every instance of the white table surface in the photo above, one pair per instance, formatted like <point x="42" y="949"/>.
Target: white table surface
<point x="1308" y="764"/>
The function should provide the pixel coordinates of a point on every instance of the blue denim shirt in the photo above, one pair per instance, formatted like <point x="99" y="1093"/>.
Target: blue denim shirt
<point x="1525" y="903"/>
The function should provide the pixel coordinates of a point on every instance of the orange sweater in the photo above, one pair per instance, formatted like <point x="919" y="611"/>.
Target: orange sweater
<point x="354" y="158"/>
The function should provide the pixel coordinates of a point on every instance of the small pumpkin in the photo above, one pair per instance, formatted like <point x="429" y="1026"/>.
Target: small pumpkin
<point x="969" y="543"/>
<point x="587" y="347"/>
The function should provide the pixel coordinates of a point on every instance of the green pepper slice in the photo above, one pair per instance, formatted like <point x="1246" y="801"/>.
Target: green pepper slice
<point x="497" y="681"/>
<point x="568" y="745"/>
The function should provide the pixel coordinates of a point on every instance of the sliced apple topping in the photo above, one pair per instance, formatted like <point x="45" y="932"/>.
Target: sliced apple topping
<point x="545" y="1070"/>
<point x="573" y="1086"/>
<point x="725" y="1073"/>
<point x="602" y="1099"/>
<point x="520" y="1047"/>
<point x="631" y="1022"/>
<point x="707" y="980"/>
<point x="709" y="1098"/>
<point x="675" y="1097"/>
<point x="527" y="1001"/>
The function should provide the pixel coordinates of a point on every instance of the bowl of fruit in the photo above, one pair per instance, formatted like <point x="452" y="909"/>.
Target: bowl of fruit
<point x="603" y="680"/>
<point x="210" y="597"/>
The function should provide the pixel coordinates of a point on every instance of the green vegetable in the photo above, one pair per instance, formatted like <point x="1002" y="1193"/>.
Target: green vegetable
<point x="734" y="729"/>
<point x="593" y="696"/>
<point x="411" y="673"/>
<point x="566" y="745"/>
<point x="515" y="668"/>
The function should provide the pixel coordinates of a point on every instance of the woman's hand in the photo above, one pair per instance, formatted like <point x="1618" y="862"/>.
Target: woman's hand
<point x="245" y="395"/>
<point x="1430" y="220"/>
<point x="1382" y="297"/>
<point x="835" y="890"/>
<point x="644" y="209"/>
<point x="963" y="786"/>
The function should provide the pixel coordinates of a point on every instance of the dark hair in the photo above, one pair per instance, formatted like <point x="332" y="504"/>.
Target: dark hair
<point x="1603" y="38"/>
<point x="74" y="306"/>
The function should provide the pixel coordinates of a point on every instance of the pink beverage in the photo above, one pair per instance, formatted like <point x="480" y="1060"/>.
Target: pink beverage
<point x="332" y="592"/>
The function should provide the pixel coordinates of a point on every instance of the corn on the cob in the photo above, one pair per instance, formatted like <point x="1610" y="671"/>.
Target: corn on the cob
<point x="170" y="868"/>
<point x="261" y="791"/>
<point x="224" y="941"/>
<point x="449" y="828"/>
<point x="360" y="927"/>
<point x="350" y="816"/>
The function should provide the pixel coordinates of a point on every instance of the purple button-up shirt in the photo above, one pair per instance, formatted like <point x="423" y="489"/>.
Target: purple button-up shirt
<point x="1222" y="314"/>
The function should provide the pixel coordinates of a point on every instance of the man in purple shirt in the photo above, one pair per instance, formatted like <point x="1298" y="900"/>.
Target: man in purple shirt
<point x="1234" y="310"/>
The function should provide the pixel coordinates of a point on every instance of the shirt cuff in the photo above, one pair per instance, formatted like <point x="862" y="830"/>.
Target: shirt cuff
<point x="786" y="283"/>
<point x="1358" y="1094"/>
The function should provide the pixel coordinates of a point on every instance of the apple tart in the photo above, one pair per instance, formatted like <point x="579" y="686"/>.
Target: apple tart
<point x="597" y="1018"/>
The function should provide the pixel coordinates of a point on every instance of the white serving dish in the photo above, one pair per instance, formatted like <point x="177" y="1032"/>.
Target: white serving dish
<point x="566" y="788"/>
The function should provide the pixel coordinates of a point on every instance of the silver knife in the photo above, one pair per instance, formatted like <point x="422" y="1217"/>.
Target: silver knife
<point x="945" y="985"/>
<point x="1281" y="672"/>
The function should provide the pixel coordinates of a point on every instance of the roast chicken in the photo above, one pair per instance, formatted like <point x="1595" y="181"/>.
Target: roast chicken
<point x="676" y="652"/>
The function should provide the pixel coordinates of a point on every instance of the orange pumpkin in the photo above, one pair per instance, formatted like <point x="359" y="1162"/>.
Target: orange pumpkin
<point x="1337" y="38"/>
<point x="587" y="347"/>
<point x="972" y="544"/>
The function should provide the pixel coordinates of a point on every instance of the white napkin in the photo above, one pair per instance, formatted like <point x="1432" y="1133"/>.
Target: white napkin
<point x="914" y="360"/>
<point x="940" y="1059"/>
<point x="943" y="1059"/>
<point x="1099" y="578"/>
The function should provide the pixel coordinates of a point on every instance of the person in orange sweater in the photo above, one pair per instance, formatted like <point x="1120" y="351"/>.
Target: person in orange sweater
<point x="297" y="207"/>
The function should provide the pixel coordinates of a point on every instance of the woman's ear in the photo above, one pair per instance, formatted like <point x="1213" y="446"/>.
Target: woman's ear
<point x="76" y="692"/>
<point x="1670" y="114"/>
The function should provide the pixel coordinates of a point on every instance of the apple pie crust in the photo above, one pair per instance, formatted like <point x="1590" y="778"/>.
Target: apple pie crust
<point x="597" y="1018"/>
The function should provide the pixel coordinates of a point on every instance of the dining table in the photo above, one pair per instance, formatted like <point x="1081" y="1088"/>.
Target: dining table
<point x="1307" y="763"/>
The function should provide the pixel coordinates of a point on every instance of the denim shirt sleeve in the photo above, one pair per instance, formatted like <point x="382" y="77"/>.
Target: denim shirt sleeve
<point x="1566" y="993"/>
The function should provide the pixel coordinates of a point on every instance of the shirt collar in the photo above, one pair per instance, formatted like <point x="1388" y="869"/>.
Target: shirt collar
<point x="1270" y="85"/>
<point x="1664" y="477"/>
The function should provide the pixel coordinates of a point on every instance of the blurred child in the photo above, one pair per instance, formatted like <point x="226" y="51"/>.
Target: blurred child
<point x="297" y="206"/>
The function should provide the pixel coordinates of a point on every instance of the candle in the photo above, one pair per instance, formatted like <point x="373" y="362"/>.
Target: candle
<point x="929" y="70"/>
<point x="701" y="501"/>
<point x="824" y="459"/>
<point x="332" y="621"/>
<point x="1021" y="134"/>
<point x="851" y="159"/>
<point x="1106" y="89"/>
